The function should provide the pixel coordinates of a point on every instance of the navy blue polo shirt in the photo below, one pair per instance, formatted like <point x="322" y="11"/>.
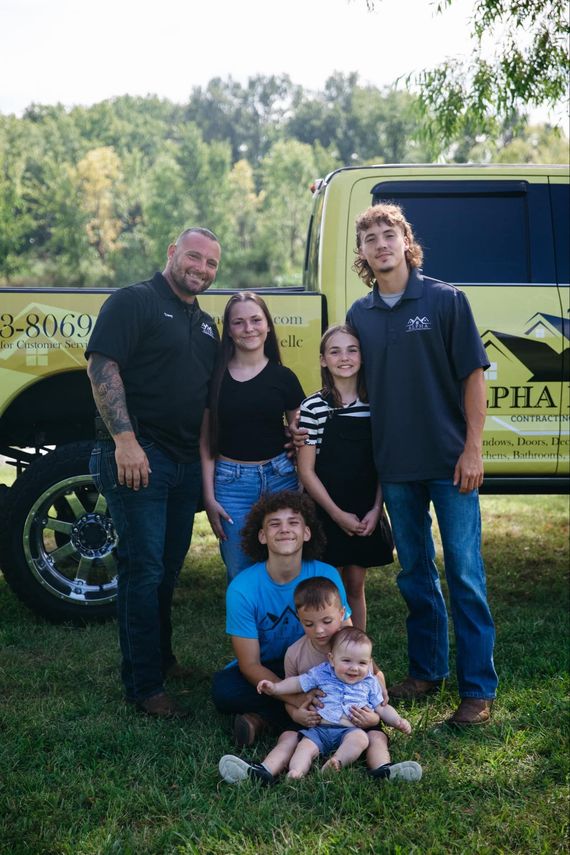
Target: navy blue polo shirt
<point x="165" y="349"/>
<point x="416" y="356"/>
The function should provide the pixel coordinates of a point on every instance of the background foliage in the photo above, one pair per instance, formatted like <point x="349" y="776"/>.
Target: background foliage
<point x="519" y="59"/>
<point x="91" y="196"/>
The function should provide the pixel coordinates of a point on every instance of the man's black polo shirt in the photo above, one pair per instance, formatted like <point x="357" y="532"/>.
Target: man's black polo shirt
<point x="165" y="350"/>
<point x="415" y="357"/>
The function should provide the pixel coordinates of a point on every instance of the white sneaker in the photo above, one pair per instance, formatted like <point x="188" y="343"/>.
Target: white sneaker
<point x="233" y="770"/>
<point x="408" y="770"/>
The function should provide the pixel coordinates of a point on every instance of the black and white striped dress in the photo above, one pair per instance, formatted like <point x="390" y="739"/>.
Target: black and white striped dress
<point x="345" y="466"/>
<point x="315" y="412"/>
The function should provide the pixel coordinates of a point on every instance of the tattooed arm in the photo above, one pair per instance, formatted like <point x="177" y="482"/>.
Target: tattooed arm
<point x="109" y="394"/>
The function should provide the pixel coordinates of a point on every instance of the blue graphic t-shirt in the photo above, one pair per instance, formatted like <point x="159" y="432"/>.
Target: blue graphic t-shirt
<point x="258" y="607"/>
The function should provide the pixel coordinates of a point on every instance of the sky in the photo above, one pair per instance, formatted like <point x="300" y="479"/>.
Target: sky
<point x="77" y="52"/>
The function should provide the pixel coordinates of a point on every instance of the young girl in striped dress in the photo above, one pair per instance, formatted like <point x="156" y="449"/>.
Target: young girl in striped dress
<point x="336" y="467"/>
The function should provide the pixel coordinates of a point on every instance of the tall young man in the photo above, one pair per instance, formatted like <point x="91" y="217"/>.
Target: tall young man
<point x="424" y="363"/>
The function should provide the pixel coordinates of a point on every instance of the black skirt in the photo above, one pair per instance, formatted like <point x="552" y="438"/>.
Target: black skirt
<point x="345" y="466"/>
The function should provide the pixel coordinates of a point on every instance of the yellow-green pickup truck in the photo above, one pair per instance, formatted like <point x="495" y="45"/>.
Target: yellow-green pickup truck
<point x="499" y="233"/>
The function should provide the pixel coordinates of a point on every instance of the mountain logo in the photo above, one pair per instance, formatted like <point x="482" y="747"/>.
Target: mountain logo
<point x="271" y="622"/>
<point x="207" y="330"/>
<point x="416" y="324"/>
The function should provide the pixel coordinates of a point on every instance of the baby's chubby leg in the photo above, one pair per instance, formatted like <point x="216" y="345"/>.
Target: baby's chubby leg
<point x="349" y="750"/>
<point x="378" y="753"/>
<point x="278" y="758"/>
<point x="378" y="760"/>
<point x="302" y="759"/>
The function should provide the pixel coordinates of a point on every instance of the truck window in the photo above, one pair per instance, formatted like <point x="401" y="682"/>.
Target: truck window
<point x="471" y="231"/>
<point x="310" y="271"/>
<point x="560" y="200"/>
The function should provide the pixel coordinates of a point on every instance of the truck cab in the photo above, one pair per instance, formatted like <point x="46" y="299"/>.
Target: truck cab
<point x="501" y="234"/>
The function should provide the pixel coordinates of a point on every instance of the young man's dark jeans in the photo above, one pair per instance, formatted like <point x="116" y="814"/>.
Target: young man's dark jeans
<point x="154" y="525"/>
<point x="232" y="693"/>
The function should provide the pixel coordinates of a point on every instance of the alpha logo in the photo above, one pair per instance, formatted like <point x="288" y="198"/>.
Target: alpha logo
<point x="416" y="324"/>
<point x="207" y="329"/>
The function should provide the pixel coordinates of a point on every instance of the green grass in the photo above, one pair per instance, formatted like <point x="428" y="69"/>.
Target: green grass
<point x="80" y="773"/>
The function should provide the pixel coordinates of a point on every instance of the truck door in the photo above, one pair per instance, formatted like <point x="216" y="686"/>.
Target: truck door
<point x="495" y="239"/>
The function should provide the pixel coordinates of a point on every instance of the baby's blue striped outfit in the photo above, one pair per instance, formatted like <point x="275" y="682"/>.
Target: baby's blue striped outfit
<point x="340" y="697"/>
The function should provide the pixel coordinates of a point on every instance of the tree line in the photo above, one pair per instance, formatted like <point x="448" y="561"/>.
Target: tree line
<point x="91" y="196"/>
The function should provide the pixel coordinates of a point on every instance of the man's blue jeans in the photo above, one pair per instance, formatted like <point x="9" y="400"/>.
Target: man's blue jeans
<point x="459" y="520"/>
<point x="154" y="525"/>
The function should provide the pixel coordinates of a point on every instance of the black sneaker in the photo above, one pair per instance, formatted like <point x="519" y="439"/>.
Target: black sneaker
<point x="408" y="770"/>
<point x="233" y="770"/>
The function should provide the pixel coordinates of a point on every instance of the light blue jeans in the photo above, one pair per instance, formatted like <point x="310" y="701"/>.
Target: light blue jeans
<point x="237" y="487"/>
<point x="459" y="520"/>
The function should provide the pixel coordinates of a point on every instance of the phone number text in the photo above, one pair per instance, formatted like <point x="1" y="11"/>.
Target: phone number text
<point x="48" y="326"/>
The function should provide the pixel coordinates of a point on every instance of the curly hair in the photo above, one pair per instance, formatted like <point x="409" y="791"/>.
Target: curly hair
<point x="350" y="635"/>
<point x="299" y="503"/>
<point x="390" y="215"/>
<point x="317" y="593"/>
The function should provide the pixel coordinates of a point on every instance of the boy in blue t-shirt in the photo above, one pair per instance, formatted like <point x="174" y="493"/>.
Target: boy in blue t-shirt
<point x="283" y="535"/>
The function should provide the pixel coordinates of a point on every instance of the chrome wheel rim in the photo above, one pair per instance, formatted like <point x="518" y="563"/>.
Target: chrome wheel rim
<point x="69" y="543"/>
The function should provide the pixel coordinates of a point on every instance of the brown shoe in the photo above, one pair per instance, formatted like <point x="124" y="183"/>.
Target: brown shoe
<point x="161" y="706"/>
<point x="176" y="671"/>
<point x="471" y="711"/>
<point x="247" y="727"/>
<point x="410" y="689"/>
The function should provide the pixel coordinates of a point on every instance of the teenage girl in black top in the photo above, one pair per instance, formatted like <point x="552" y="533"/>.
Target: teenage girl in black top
<point x="242" y="434"/>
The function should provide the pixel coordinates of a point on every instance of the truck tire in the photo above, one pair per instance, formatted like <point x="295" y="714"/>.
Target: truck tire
<point x="57" y="540"/>
<point x="4" y="490"/>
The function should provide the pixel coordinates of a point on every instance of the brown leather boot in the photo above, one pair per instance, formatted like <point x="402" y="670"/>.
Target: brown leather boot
<point x="247" y="727"/>
<point x="411" y="688"/>
<point x="471" y="711"/>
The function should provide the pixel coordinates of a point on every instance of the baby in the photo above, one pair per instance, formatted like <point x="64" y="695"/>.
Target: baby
<point x="347" y="681"/>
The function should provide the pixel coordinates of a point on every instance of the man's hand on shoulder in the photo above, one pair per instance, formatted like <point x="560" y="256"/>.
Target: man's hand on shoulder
<point x="133" y="468"/>
<point x="298" y="435"/>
